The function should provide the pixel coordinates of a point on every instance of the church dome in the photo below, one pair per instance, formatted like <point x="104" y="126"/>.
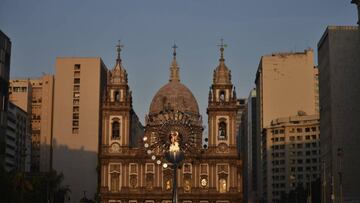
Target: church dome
<point x="174" y="96"/>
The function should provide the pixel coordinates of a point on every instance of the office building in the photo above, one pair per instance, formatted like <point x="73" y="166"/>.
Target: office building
<point x="291" y="155"/>
<point x="5" y="52"/>
<point x="79" y="86"/>
<point x="249" y="148"/>
<point x="339" y="73"/>
<point x="41" y="122"/>
<point x="285" y="86"/>
<point x="18" y="140"/>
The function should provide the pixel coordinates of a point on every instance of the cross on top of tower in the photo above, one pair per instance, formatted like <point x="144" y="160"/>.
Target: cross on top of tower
<point x="222" y="46"/>
<point x="119" y="47"/>
<point x="174" y="47"/>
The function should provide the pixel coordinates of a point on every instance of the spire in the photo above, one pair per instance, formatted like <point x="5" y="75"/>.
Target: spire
<point x="174" y="68"/>
<point x="357" y="3"/>
<point x="118" y="74"/>
<point x="118" y="49"/>
<point x="222" y="73"/>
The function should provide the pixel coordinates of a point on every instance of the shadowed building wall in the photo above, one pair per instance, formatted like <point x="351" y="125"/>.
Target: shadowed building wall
<point x="339" y="73"/>
<point x="5" y="52"/>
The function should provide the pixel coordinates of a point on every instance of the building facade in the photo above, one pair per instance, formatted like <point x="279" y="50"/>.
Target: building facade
<point x="291" y="155"/>
<point x="41" y="122"/>
<point x="132" y="173"/>
<point x="79" y="86"/>
<point x="5" y="53"/>
<point x="285" y="86"/>
<point x="249" y="148"/>
<point x="18" y="140"/>
<point x="339" y="75"/>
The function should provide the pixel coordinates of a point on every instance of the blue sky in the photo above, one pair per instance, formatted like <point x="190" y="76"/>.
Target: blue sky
<point x="42" y="30"/>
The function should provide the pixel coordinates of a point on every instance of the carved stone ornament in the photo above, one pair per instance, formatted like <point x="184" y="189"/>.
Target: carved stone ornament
<point x="223" y="148"/>
<point x="115" y="148"/>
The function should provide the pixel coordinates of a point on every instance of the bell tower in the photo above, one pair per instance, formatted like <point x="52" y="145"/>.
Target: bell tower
<point x="222" y="106"/>
<point x="117" y="107"/>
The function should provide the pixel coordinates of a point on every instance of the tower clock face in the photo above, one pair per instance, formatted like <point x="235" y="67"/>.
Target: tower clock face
<point x="204" y="182"/>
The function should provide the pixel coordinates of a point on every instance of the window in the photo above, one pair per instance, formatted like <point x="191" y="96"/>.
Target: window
<point x="133" y="168"/>
<point x="222" y="96"/>
<point x="114" y="177"/>
<point x="222" y="130"/>
<point x="117" y="96"/>
<point x="114" y="182"/>
<point x="77" y="67"/>
<point x="115" y="130"/>
<point x="76" y="80"/>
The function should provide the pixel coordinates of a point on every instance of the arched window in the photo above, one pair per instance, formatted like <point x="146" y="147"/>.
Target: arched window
<point x="222" y="96"/>
<point x="117" y="96"/>
<point x="222" y="130"/>
<point x="115" y="130"/>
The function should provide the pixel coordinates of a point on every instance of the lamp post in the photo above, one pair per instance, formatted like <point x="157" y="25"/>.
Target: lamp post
<point x="340" y="155"/>
<point x="171" y="136"/>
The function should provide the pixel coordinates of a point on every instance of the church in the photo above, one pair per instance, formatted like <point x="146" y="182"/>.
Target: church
<point x="132" y="164"/>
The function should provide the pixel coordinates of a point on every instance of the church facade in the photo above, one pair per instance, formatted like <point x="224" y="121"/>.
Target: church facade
<point x="132" y="170"/>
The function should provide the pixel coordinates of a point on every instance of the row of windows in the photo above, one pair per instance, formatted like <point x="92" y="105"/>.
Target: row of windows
<point x="76" y="99"/>
<point x="297" y="130"/>
<point x="293" y="138"/>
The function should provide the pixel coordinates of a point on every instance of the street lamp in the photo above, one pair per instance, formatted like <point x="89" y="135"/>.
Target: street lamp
<point x="171" y="136"/>
<point x="340" y="153"/>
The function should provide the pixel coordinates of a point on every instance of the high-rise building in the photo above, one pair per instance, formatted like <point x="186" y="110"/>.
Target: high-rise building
<point x="249" y="148"/>
<point x="78" y="95"/>
<point x="291" y="155"/>
<point x="284" y="87"/>
<point x="18" y="140"/>
<point x="339" y="73"/>
<point x="35" y="96"/>
<point x="5" y="52"/>
<point x="135" y="173"/>
<point x="239" y="121"/>
<point x="41" y="122"/>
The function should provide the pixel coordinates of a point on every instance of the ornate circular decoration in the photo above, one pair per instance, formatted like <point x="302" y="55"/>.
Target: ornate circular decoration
<point x="115" y="147"/>
<point x="176" y="133"/>
<point x="223" y="147"/>
<point x="204" y="182"/>
<point x="187" y="185"/>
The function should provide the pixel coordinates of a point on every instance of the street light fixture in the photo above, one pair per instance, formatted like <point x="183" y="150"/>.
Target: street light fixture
<point x="177" y="135"/>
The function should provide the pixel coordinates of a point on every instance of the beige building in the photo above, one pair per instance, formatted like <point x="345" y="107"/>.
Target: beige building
<point x="79" y="86"/>
<point x="41" y="122"/>
<point x="35" y="96"/>
<point x="136" y="174"/>
<point x="285" y="85"/>
<point x="291" y="154"/>
<point x="20" y="94"/>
